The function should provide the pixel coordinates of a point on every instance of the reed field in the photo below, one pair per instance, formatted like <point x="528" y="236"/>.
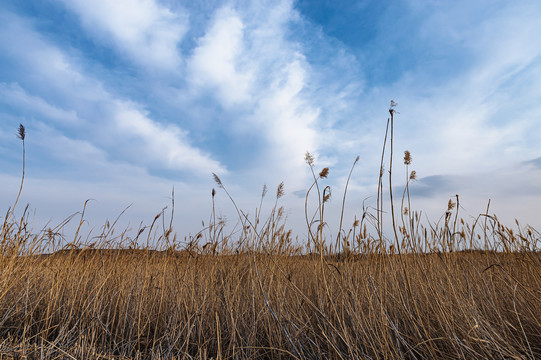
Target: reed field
<point x="454" y="289"/>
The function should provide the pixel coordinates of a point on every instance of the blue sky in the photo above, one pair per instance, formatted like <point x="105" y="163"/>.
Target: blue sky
<point x="125" y="100"/>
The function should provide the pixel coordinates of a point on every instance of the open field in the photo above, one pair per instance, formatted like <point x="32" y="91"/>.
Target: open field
<point x="449" y="290"/>
<point x="120" y="304"/>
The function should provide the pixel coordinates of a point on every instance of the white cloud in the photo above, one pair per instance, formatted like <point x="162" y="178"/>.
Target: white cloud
<point x="471" y="122"/>
<point x="16" y="96"/>
<point x="106" y="120"/>
<point x="248" y="63"/>
<point x="80" y="154"/>
<point x="288" y="120"/>
<point x="42" y="64"/>
<point x="166" y="145"/>
<point x="148" y="32"/>
<point x="220" y="62"/>
<point x="478" y="113"/>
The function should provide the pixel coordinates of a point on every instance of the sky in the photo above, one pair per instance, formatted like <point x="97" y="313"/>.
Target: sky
<point x="124" y="101"/>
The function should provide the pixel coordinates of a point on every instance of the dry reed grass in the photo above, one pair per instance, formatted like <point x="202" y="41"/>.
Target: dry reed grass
<point x="449" y="290"/>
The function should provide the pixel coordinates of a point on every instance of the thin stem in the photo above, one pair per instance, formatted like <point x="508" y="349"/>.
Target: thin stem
<point x="344" y="202"/>
<point x="20" y="135"/>
<point x="380" y="187"/>
<point x="391" y="111"/>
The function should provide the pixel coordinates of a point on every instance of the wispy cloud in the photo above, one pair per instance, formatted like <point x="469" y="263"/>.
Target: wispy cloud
<point x="30" y="105"/>
<point x="535" y="162"/>
<point x="167" y="145"/>
<point x="247" y="61"/>
<point x="146" y="31"/>
<point x="219" y="63"/>
<point x="468" y="107"/>
<point x="102" y="118"/>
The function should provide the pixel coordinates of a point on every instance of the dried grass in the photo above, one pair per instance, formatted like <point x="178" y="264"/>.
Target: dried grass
<point x="449" y="290"/>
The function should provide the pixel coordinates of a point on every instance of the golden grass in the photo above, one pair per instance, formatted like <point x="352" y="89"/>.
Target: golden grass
<point x="148" y="304"/>
<point x="450" y="290"/>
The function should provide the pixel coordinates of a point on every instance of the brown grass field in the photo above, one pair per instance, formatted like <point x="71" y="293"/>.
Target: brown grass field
<point x="121" y="304"/>
<point x="450" y="290"/>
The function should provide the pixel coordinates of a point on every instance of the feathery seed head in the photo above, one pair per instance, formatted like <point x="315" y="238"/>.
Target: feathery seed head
<point x="407" y="157"/>
<point x="280" y="190"/>
<point x="450" y="205"/>
<point x="217" y="180"/>
<point x="392" y="106"/>
<point x="413" y="175"/>
<point x="326" y="193"/>
<point x="324" y="172"/>
<point x="21" y="133"/>
<point x="309" y="158"/>
<point x="264" y="192"/>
